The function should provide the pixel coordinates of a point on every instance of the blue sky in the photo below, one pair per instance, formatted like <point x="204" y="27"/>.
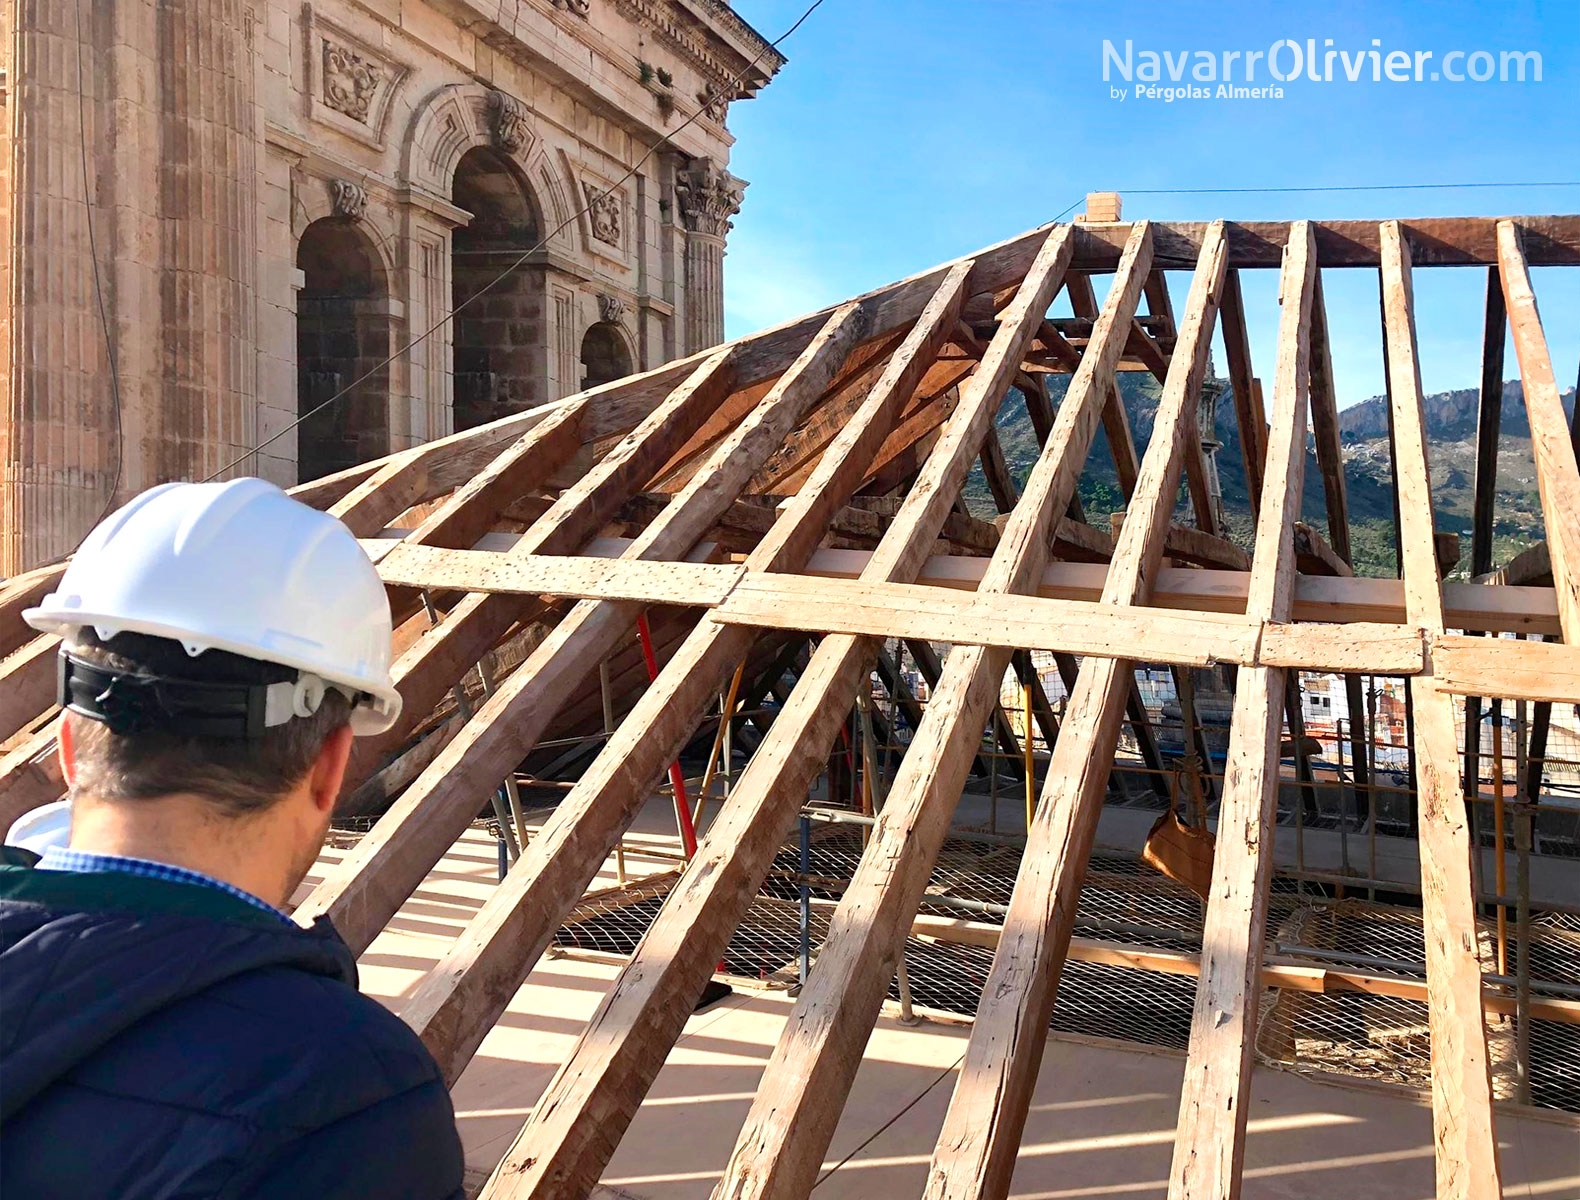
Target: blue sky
<point x="906" y="132"/>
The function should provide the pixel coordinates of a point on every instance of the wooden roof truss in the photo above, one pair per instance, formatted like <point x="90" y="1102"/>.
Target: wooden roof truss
<point x="861" y="424"/>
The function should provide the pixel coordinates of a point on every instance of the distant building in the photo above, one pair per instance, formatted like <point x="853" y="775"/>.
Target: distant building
<point x="283" y="195"/>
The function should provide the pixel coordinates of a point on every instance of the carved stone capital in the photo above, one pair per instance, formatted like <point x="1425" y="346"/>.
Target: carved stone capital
<point x="349" y="200"/>
<point x="709" y="196"/>
<point x="507" y="119"/>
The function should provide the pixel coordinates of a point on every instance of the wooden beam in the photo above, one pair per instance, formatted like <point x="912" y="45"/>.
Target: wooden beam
<point x="1284" y="973"/>
<point x="1161" y="307"/>
<point x="932" y="669"/>
<point x="475" y="507"/>
<point x="1531" y="566"/>
<point x="1441" y="241"/>
<point x="1116" y="422"/>
<point x="802" y="447"/>
<point x="1195" y="545"/>
<point x="586" y="1107"/>
<point x="454" y="1007"/>
<point x="1325" y="427"/>
<point x="1462" y="1132"/>
<point x="572" y="575"/>
<point x="1339" y="599"/>
<point x="1209" y="1149"/>
<point x="926" y="614"/>
<point x="1042" y="711"/>
<point x="1509" y="670"/>
<point x="1489" y="426"/>
<point x="27" y="684"/>
<point x="1529" y="610"/>
<point x="30" y="775"/>
<point x="994" y="469"/>
<point x="385" y="494"/>
<point x="977" y="1147"/>
<point x="1248" y="412"/>
<point x="1313" y="556"/>
<point x="1557" y="476"/>
<point x="20" y="592"/>
<point x="899" y="691"/>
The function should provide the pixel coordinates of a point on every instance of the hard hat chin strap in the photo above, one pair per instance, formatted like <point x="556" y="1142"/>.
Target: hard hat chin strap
<point x="136" y="703"/>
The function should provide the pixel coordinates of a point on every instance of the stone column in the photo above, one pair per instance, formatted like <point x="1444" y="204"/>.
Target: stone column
<point x="709" y="196"/>
<point x="208" y="245"/>
<point x="168" y="121"/>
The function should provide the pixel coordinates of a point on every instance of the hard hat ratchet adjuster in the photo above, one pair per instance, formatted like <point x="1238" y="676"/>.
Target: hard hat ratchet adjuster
<point x="137" y="703"/>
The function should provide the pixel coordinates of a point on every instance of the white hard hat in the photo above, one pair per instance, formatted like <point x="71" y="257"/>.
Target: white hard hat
<point x="240" y="567"/>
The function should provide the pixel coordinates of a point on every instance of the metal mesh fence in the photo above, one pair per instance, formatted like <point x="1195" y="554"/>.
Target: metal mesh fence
<point x="1351" y="1033"/>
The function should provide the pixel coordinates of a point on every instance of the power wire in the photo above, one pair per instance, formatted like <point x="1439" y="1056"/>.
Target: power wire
<point x="98" y="283"/>
<point x="1353" y="187"/>
<point x="915" y="1100"/>
<point x="665" y="140"/>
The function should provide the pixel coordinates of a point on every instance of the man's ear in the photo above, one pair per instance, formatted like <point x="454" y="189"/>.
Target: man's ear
<point x="329" y="769"/>
<point x="67" y="751"/>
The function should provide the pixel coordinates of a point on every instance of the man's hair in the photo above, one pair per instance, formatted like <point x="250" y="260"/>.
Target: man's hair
<point x="237" y="775"/>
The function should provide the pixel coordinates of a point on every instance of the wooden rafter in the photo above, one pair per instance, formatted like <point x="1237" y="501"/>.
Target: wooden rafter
<point x="1210" y="1146"/>
<point x="1467" y="1151"/>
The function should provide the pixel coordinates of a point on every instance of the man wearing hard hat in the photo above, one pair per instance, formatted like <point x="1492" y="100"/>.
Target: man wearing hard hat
<point x="165" y="1029"/>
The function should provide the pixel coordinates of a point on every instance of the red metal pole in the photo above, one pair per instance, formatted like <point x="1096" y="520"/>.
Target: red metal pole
<point x="688" y="832"/>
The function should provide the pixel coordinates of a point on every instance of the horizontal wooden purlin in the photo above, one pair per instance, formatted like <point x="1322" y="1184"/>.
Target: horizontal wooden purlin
<point x="1527" y="610"/>
<point x="1342" y="600"/>
<point x="1434" y="242"/>
<point x="1075" y="626"/>
<point x="582" y="576"/>
<point x="1283" y="973"/>
<point x="1519" y="670"/>
<point x="918" y="611"/>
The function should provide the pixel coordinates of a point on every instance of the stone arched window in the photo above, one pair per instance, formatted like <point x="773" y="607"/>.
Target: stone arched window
<point x="498" y="336"/>
<point x="605" y="356"/>
<point x="342" y="334"/>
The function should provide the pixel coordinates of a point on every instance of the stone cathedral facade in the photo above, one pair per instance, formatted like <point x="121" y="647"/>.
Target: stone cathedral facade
<point x="279" y="196"/>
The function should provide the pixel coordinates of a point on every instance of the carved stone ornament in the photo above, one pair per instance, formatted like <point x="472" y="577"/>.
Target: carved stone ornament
<point x="578" y="7"/>
<point x="508" y="120"/>
<point x="603" y="213"/>
<point x="350" y="200"/>
<point x="709" y="196"/>
<point x="715" y="103"/>
<point x="350" y="81"/>
<point x="610" y="308"/>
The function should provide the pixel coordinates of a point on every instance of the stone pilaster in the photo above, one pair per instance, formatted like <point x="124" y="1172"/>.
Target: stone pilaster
<point x="208" y="243"/>
<point x="709" y="196"/>
<point x="168" y="121"/>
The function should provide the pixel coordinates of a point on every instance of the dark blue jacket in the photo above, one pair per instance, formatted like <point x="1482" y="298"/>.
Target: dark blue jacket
<point x="162" y="1040"/>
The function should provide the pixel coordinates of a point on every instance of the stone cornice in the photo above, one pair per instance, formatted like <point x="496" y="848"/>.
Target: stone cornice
<point x="721" y="21"/>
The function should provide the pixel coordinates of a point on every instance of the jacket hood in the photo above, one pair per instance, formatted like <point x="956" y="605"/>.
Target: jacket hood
<point x="85" y="957"/>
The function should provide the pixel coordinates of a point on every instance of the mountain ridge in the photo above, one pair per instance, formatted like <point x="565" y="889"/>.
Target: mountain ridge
<point x="1451" y="419"/>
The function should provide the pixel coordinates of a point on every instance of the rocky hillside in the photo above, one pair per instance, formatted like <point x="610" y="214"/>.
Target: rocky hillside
<point x="1451" y="426"/>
